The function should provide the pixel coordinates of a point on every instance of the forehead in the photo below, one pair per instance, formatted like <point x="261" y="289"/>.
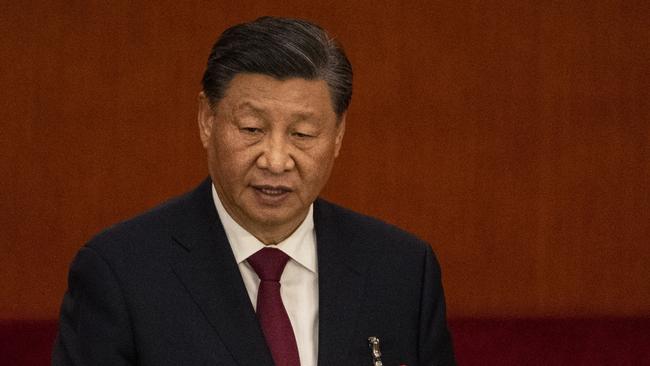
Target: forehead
<point x="263" y="93"/>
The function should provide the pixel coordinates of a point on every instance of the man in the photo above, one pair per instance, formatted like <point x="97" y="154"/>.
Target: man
<point x="251" y="268"/>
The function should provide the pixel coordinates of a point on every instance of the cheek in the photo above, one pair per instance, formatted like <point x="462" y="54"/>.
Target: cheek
<point x="317" y="165"/>
<point x="234" y="165"/>
<point x="232" y="161"/>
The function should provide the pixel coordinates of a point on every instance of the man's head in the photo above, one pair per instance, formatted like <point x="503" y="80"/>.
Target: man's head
<point x="272" y="119"/>
<point x="283" y="48"/>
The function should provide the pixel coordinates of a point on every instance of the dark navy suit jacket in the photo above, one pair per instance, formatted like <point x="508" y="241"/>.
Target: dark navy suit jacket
<point x="164" y="289"/>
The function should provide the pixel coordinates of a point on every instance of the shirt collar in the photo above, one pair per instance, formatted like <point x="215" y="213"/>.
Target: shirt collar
<point x="300" y="245"/>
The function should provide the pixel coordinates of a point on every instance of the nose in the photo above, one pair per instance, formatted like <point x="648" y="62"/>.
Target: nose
<point x="275" y="156"/>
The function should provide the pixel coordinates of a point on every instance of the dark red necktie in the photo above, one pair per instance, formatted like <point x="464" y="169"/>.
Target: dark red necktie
<point x="269" y="264"/>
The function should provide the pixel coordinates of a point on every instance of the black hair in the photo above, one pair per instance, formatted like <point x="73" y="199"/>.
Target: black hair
<point x="283" y="48"/>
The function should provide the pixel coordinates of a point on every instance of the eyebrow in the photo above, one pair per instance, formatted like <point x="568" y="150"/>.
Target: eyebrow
<point x="296" y="117"/>
<point x="248" y="105"/>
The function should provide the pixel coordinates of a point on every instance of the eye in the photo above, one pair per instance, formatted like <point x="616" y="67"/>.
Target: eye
<point x="251" y="130"/>
<point x="301" y="135"/>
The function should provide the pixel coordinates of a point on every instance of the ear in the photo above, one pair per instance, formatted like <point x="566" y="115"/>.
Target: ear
<point x="339" y="134"/>
<point x="205" y="119"/>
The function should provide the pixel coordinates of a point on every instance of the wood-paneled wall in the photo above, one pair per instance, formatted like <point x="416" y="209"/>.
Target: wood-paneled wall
<point x="512" y="135"/>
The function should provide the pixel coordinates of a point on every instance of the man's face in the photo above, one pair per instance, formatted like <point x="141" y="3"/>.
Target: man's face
<point x="271" y="146"/>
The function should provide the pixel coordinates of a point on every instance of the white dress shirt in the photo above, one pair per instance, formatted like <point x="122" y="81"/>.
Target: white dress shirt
<point x="299" y="281"/>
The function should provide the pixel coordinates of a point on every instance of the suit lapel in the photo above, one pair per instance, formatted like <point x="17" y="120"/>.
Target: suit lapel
<point x="341" y="282"/>
<point x="209" y="272"/>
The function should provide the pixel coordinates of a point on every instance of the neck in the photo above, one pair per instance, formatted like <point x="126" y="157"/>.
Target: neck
<point x="271" y="234"/>
<point x="268" y="232"/>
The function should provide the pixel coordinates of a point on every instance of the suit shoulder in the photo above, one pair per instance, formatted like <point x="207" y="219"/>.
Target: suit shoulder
<point x="369" y="229"/>
<point x="150" y="227"/>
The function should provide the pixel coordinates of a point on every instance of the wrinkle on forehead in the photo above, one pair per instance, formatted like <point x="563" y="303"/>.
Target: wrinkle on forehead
<point x="248" y="106"/>
<point x="297" y="97"/>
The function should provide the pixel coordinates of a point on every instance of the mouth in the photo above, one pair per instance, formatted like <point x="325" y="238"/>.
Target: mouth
<point x="272" y="195"/>
<point x="272" y="190"/>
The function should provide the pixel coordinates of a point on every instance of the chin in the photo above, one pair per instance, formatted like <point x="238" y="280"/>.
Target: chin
<point x="276" y="217"/>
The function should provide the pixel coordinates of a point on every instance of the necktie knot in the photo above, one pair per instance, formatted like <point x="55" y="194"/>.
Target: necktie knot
<point x="269" y="263"/>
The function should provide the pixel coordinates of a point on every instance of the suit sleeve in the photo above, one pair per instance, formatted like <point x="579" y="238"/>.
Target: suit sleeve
<point x="435" y="343"/>
<point x="94" y="326"/>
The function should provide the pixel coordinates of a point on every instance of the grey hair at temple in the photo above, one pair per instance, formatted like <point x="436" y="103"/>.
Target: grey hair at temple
<point x="283" y="48"/>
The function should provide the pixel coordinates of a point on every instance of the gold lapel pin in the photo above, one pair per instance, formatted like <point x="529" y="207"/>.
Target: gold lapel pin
<point x="373" y="343"/>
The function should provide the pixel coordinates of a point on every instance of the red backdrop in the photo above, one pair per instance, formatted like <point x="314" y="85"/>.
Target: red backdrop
<point x="512" y="135"/>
